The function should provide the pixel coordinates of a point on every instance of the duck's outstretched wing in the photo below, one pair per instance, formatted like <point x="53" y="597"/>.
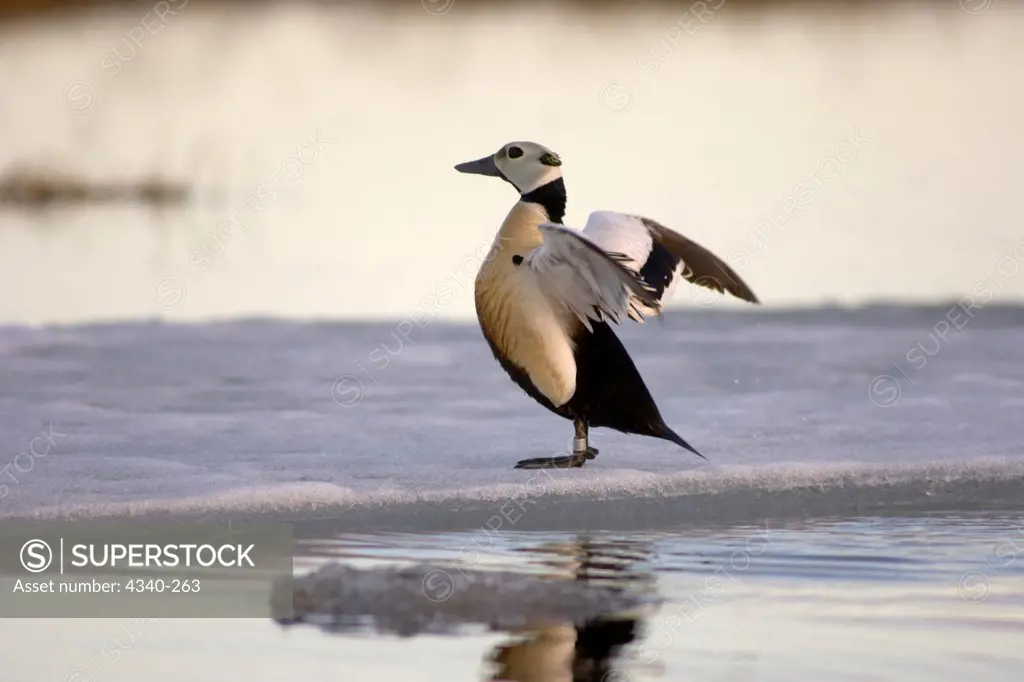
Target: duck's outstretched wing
<point x="661" y="257"/>
<point x="593" y="283"/>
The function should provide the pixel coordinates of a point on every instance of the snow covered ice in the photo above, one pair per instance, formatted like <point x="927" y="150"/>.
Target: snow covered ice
<point x="813" y="412"/>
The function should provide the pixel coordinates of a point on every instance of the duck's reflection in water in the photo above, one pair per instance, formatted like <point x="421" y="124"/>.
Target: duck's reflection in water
<point x="586" y="652"/>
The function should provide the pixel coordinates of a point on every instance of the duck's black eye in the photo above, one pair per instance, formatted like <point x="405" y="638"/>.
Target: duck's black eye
<point x="514" y="152"/>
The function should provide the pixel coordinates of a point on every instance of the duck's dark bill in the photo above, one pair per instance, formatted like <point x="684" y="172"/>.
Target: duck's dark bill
<point x="484" y="166"/>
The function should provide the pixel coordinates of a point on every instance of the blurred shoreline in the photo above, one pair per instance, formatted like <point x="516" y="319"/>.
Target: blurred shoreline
<point x="887" y="314"/>
<point x="830" y="157"/>
<point x="18" y="10"/>
<point x="38" y="188"/>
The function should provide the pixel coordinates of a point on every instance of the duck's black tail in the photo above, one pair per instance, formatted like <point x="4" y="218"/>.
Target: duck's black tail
<point x="669" y="434"/>
<point x="610" y="391"/>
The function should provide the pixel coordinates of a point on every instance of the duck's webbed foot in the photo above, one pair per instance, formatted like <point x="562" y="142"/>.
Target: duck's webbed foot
<point x="573" y="461"/>
<point x="581" y="452"/>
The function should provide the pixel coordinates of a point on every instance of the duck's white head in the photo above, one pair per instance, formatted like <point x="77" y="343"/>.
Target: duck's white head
<point x="525" y="165"/>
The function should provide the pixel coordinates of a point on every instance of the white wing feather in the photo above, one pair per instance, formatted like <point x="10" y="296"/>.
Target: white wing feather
<point x="628" y="235"/>
<point x="573" y="271"/>
<point x="620" y="233"/>
<point x="636" y="238"/>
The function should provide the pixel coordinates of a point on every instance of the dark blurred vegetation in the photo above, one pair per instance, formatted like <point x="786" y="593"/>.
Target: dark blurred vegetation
<point x="39" y="188"/>
<point x="26" y="9"/>
<point x="36" y="188"/>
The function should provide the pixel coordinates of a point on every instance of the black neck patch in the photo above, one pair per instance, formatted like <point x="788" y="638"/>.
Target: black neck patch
<point x="551" y="197"/>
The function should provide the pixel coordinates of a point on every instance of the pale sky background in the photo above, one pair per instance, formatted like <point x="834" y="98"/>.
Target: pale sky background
<point x="711" y="141"/>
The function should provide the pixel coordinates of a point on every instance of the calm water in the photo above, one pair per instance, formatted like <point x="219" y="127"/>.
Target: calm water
<point x="926" y="598"/>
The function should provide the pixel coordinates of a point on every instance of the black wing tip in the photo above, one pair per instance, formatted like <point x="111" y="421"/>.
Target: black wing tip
<point x="730" y="282"/>
<point x="746" y="294"/>
<point x="733" y="285"/>
<point x="741" y="289"/>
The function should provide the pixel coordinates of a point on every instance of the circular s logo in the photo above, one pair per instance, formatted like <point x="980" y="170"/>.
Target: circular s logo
<point x="80" y="675"/>
<point x="616" y="97"/>
<point x="36" y="556"/>
<point x="347" y="390"/>
<point x="438" y="585"/>
<point x="885" y="390"/>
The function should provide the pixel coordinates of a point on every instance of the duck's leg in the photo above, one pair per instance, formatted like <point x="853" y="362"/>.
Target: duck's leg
<point x="581" y="452"/>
